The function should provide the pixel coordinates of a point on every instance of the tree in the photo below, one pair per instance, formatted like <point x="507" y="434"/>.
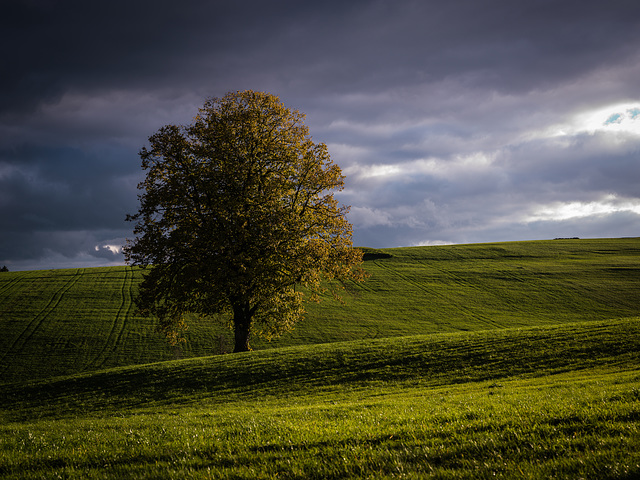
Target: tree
<point x="236" y="213"/>
<point x="4" y="269"/>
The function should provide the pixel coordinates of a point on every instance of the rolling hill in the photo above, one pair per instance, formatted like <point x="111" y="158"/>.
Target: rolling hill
<point x="507" y="360"/>
<point x="529" y="403"/>
<point x="60" y="322"/>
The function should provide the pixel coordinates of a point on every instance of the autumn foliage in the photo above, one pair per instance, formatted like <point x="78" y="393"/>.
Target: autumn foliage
<point x="236" y="213"/>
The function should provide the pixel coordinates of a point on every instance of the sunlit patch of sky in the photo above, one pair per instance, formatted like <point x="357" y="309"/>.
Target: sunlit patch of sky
<point x="612" y="118"/>
<point x="565" y="211"/>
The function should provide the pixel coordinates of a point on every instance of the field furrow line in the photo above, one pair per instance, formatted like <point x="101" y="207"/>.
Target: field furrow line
<point x="127" y="304"/>
<point x="354" y="287"/>
<point x="8" y="285"/>
<point x="40" y="317"/>
<point x="119" y="321"/>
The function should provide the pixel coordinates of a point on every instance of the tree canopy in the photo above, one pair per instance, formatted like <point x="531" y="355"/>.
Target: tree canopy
<point x="236" y="213"/>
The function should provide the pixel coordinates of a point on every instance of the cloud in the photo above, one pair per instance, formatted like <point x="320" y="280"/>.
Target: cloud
<point x="454" y="122"/>
<point x="112" y="249"/>
<point x="574" y="210"/>
<point x="540" y="178"/>
<point x="38" y="249"/>
<point x="366" y="217"/>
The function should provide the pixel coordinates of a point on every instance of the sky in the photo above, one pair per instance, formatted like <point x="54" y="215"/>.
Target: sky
<point x="464" y="121"/>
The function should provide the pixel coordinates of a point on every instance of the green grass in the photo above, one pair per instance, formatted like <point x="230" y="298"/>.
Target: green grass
<point x="510" y="360"/>
<point x="83" y="320"/>
<point x="545" y="402"/>
<point x="475" y="287"/>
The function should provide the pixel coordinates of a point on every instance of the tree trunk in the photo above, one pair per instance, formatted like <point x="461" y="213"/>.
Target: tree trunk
<point x="242" y="327"/>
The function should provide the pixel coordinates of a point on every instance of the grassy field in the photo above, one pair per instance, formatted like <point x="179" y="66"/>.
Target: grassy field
<point x="83" y="320"/>
<point x="544" y="402"/>
<point x="509" y="360"/>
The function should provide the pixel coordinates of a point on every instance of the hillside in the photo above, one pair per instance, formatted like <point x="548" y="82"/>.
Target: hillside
<point x="511" y="360"/>
<point x="417" y="361"/>
<point x="68" y="321"/>
<point x="528" y="403"/>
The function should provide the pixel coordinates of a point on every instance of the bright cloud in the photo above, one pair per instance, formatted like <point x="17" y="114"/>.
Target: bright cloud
<point x="623" y="117"/>
<point x="369" y="171"/>
<point x="566" y="211"/>
<point x="115" y="249"/>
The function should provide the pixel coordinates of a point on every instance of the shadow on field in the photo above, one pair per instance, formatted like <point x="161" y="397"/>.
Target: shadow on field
<point x="420" y="360"/>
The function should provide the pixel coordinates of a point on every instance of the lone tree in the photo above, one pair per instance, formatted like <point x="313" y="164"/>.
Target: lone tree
<point x="236" y="212"/>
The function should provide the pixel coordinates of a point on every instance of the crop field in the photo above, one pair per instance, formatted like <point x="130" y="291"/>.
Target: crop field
<point x="82" y="320"/>
<point x="505" y="360"/>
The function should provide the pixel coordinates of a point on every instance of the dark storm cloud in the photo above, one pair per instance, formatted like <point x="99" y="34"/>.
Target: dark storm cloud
<point x="53" y="187"/>
<point x="454" y="121"/>
<point x="330" y="46"/>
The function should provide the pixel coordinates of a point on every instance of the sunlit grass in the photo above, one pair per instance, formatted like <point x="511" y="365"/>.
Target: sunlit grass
<point x="511" y="360"/>
<point x="562" y="427"/>
<point x="335" y="412"/>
